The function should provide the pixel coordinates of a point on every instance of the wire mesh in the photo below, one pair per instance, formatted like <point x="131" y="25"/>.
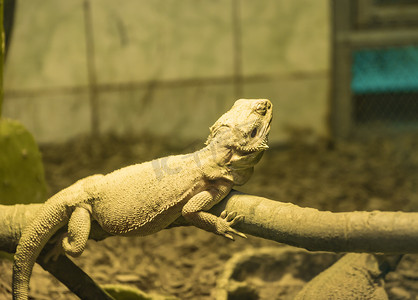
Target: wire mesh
<point x="385" y="88"/>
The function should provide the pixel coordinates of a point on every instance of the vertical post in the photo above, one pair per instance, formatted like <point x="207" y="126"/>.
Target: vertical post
<point x="2" y="46"/>
<point x="341" y="102"/>
<point x="237" y="47"/>
<point x="91" y="70"/>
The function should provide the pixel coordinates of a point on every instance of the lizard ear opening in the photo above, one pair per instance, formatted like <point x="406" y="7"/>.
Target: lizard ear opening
<point x="215" y="129"/>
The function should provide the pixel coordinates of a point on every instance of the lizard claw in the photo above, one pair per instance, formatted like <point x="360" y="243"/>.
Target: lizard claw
<point x="228" y="220"/>
<point x="223" y="214"/>
<point x="229" y="236"/>
<point x="231" y="216"/>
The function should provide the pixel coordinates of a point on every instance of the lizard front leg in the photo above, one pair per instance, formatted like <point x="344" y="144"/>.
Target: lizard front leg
<point x="194" y="212"/>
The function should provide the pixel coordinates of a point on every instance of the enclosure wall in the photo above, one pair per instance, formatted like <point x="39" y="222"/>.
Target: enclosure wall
<point x="167" y="67"/>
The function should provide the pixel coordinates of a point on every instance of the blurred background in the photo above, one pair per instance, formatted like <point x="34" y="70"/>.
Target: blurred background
<point x="103" y="84"/>
<point x="169" y="68"/>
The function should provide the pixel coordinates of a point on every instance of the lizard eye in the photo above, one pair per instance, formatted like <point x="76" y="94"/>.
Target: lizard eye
<point x="254" y="132"/>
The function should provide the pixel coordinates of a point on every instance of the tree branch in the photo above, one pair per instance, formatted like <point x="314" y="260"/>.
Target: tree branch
<point x="72" y="276"/>
<point x="372" y="232"/>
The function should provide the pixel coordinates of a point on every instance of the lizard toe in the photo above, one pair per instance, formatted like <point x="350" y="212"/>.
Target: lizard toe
<point x="228" y="219"/>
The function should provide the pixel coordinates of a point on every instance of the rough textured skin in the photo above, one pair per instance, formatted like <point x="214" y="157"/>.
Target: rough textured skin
<point x="355" y="276"/>
<point x="145" y="198"/>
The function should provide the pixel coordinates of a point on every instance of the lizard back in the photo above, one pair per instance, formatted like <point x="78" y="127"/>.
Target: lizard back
<point x="149" y="197"/>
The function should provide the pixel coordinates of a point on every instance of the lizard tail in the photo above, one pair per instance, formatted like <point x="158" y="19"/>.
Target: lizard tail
<point x="52" y="216"/>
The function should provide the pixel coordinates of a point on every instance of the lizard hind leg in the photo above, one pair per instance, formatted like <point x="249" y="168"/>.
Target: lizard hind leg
<point x="75" y="240"/>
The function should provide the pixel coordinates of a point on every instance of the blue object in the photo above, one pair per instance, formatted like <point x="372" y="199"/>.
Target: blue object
<point x="385" y="70"/>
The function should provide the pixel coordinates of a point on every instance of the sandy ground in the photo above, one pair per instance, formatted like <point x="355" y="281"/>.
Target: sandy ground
<point x="186" y="262"/>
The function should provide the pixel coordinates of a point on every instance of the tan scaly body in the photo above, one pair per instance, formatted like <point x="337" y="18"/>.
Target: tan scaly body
<point x="145" y="198"/>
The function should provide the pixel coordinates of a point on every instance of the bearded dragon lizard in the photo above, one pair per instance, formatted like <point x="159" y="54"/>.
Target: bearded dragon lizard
<point x="145" y="198"/>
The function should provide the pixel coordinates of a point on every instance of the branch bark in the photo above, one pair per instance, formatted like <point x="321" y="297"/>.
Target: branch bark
<point x="372" y="232"/>
<point x="72" y="277"/>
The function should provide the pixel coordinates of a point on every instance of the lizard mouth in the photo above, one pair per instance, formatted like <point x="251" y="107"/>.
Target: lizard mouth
<point x="267" y="128"/>
<point x="265" y="132"/>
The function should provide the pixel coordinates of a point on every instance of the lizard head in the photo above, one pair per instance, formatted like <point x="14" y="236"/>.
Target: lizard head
<point x="244" y="129"/>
